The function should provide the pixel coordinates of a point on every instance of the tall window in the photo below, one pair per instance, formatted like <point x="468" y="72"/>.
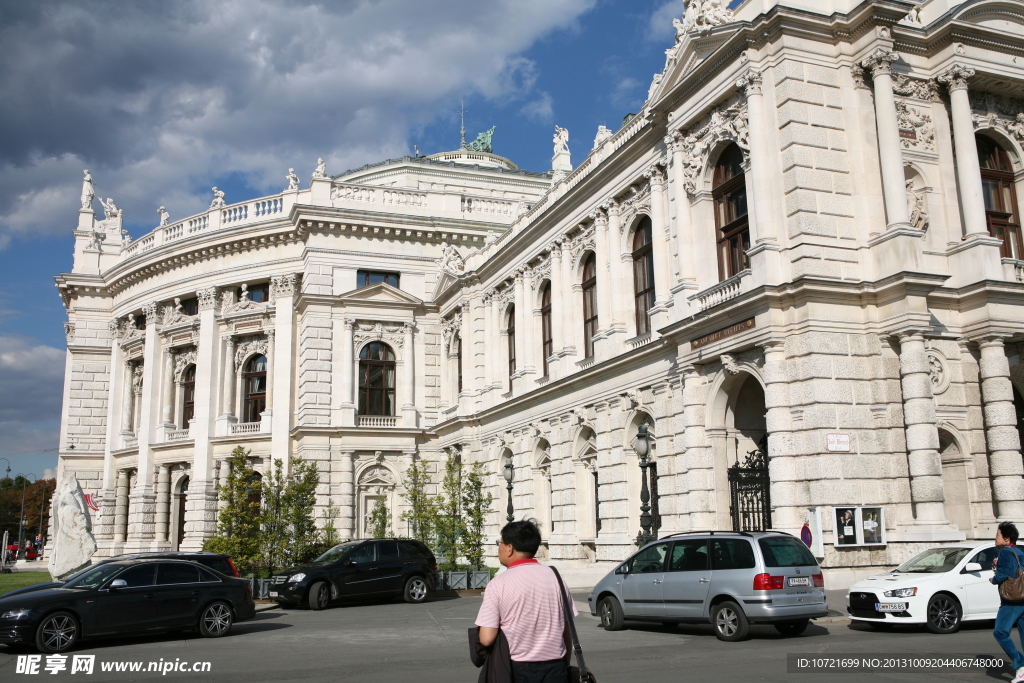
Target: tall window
<point x="643" y="275"/>
<point x="510" y="326"/>
<point x="255" y="379"/>
<point x="376" y="380"/>
<point x="365" y="278"/>
<point x="597" y="502"/>
<point x="1000" y="196"/>
<point x="589" y="304"/>
<point x="729" y="193"/>
<point x="547" y="343"/>
<point x="188" y="393"/>
<point x="258" y="293"/>
<point x="458" y="361"/>
<point x="190" y="306"/>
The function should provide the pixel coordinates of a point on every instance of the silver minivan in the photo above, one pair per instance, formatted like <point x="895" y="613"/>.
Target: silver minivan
<point x="730" y="578"/>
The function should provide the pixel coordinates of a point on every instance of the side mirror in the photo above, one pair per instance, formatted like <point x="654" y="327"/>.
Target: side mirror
<point x="351" y="563"/>
<point x="972" y="567"/>
<point x="622" y="569"/>
<point x="118" y="583"/>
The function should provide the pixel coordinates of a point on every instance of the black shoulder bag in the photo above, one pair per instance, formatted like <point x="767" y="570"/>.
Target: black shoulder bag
<point x="578" y="674"/>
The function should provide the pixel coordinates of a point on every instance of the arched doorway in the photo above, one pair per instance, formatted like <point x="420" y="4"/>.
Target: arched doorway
<point x="738" y="434"/>
<point x="180" y="498"/>
<point x="376" y="485"/>
<point x="954" y="483"/>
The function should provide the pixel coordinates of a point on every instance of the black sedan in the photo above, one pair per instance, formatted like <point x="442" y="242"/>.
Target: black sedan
<point x="131" y="596"/>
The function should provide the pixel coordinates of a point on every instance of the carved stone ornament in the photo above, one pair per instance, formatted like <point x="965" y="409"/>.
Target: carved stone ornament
<point x="727" y="122"/>
<point x="956" y="77"/>
<point x="137" y="378"/>
<point x="245" y="304"/>
<point x="69" y="331"/>
<point x="207" y="298"/>
<point x="632" y="399"/>
<point x="580" y="415"/>
<point x="920" y="133"/>
<point x="247" y="347"/>
<point x="938" y="370"/>
<point x="702" y="15"/>
<point x="637" y="199"/>
<point x="449" y="328"/>
<point x="916" y="88"/>
<point x="750" y="82"/>
<point x="1000" y="113"/>
<point x="151" y="312"/>
<point x="71" y="529"/>
<point x="917" y="206"/>
<point x="366" y="331"/>
<point x="880" y="61"/>
<point x="182" y="360"/>
<point x="377" y="475"/>
<point x="450" y="261"/>
<point x="541" y="271"/>
<point x="283" y="286"/>
<point x="730" y="364"/>
<point x="175" y="314"/>
<point x="581" y="242"/>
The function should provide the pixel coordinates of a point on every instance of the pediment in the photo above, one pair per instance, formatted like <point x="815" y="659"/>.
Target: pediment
<point x="687" y="54"/>
<point x="381" y="293"/>
<point x="444" y="282"/>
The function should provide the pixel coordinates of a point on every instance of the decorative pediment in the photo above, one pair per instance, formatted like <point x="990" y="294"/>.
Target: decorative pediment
<point x="378" y="475"/>
<point x="1002" y="16"/>
<point x="446" y="280"/>
<point x="1005" y="114"/>
<point x="369" y="330"/>
<point x="727" y="122"/>
<point x="381" y="294"/>
<point x="182" y="360"/>
<point x="247" y="347"/>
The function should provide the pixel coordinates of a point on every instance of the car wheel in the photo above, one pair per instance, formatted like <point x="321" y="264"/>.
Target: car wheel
<point x="58" y="632"/>
<point x="729" y="621"/>
<point x="415" y="589"/>
<point x="319" y="596"/>
<point x="943" y="614"/>
<point x="792" y="628"/>
<point x="216" y="620"/>
<point x="611" y="614"/>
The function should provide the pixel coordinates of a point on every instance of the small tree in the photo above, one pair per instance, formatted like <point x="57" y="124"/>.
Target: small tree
<point x="422" y="515"/>
<point x="238" y="525"/>
<point x="329" y="532"/>
<point x="380" y="519"/>
<point x="475" y="506"/>
<point x="274" y="528"/>
<point x="450" y="524"/>
<point x="300" y="499"/>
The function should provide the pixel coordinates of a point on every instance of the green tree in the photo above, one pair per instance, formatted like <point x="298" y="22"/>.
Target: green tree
<point x="300" y="500"/>
<point x="422" y="515"/>
<point x="238" y="524"/>
<point x="329" y="532"/>
<point x="450" y="524"/>
<point x="380" y="520"/>
<point x="275" y="539"/>
<point x="475" y="506"/>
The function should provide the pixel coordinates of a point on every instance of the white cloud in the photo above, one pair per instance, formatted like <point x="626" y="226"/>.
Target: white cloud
<point x="541" y="109"/>
<point x="32" y="379"/>
<point x="157" y="98"/>
<point x="659" y="27"/>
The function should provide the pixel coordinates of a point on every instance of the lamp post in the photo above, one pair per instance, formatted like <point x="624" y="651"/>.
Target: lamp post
<point x="643" y="448"/>
<point x="508" y="478"/>
<point x="42" y="508"/>
<point x="8" y="475"/>
<point x="22" y="520"/>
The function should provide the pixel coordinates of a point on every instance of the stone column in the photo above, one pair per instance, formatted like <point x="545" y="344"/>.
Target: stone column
<point x="128" y="400"/>
<point x="105" y="519"/>
<point x="699" y="477"/>
<point x="619" y="274"/>
<point x="926" y="488"/>
<point x="227" y="407"/>
<point x="347" y="502"/>
<point x="605" y="291"/>
<point x="143" y="500"/>
<point x="284" y="288"/>
<point x="659" y="242"/>
<point x="163" y="502"/>
<point x="271" y="339"/>
<point x="1003" y="440"/>
<point x="530" y="336"/>
<point x="572" y="309"/>
<point x="409" y="370"/>
<point x="968" y="169"/>
<point x="558" y="307"/>
<point x="121" y="506"/>
<point x="348" y="384"/>
<point x="168" y="398"/>
<point x="789" y="492"/>
<point x="684" y="228"/>
<point x="890" y="151"/>
<point x="520" y="341"/>
<point x="489" y="327"/>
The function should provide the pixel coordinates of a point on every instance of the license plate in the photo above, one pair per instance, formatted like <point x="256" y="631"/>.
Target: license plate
<point x="799" y="581"/>
<point x="890" y="607"/>
<point x="273" y="594"/>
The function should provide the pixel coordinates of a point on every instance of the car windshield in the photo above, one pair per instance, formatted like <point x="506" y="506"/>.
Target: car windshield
<point x="337" y="552"/>
<point x="934" y="561"/>
<point x="91" y="578"/>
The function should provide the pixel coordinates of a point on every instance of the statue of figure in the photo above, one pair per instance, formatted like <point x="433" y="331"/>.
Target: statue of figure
<point x="483" y="141"/>
<point x="293" y="180"/>
<point x="73" y="542"/>
<point x="164" y="216"/>
<point x="561" y="140"/>
<point x="1016" y="127"/>
<point x="321" y="168"/>
<point x="603" y="133"/>
<point x="88" y="192"/>
<point x="243" y="298"/>
<point x="703" y="15"/>
<point x="218" y="199"/>
<point x="680" y="28"/>
<point x="451" y="261"/>
<point x="916" y="207"/>
<point x="110" y="209"/>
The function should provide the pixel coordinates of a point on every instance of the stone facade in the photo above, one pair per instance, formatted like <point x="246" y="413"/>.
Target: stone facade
<point x="847" y="307"/>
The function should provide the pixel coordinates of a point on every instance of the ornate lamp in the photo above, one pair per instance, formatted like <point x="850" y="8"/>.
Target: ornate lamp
<point x="507" y="473"/>
<point x="643" y="449"/>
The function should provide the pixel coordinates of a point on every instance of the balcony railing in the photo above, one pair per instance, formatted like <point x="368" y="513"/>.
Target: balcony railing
<point x="177" y="435"/>
<point x="246" y="428"/>
<point x="720" y="293"/>
<point x="378" y="421"/>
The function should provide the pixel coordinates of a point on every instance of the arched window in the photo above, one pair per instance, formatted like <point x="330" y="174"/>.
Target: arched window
<point x="589" y="304"/>
<point x="255" y="383"/>
<point x="376" y="380"/>
<point x="643" y="275"/>
<point x="729" y="192"/>
<point x="510" y="327"/>
<point x="458" y="362"/>
<point x="188" y="395"/>
<point x="1000" y="196"/>
<point x="547" y="343"/>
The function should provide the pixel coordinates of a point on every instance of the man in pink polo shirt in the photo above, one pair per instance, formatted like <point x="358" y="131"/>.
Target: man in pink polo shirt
<point x="524" y="602"/>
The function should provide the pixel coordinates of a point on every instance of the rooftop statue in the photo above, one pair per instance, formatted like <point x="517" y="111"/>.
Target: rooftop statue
<point x="88" y="192"/>
<point x="321" y="168"/>
<point x="561" y="139"/>
<point x="165" y="217"/>
<point x="483" y="142"/>
<point x="110" y="209"/>
<point x="218" y="199"/>
<point x="293" y="180"/>
<point x="603" y="133"/>
<point x="451" y="261"/>
<point x="703" y="15"/>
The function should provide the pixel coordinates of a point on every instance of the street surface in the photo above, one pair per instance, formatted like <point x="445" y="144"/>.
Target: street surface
<point x="395" y="641"/>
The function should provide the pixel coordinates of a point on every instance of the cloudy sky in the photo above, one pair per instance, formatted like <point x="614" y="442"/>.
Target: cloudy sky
<point x="163" y="100"/>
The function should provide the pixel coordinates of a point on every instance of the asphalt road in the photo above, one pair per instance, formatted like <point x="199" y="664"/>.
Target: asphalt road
<point x="394" y="641"/>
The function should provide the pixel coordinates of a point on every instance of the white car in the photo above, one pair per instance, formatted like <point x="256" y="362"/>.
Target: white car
<point x="940" y="588"/>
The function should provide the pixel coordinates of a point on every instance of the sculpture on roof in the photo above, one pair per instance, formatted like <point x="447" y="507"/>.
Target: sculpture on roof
<point x="110" y="209"/>
<point x="450" y="261"/>
<point x="603" y="133"/>
<point x="703" y="15"/>
<point x="561" y="140"/>
<point x="165" y="217"/>
<point x="88" y="192"/>
<point x="321" y="168"/>
<point x="482" y="142"/>
<point x="218" y="199"/>
<point x="293" y="180"/>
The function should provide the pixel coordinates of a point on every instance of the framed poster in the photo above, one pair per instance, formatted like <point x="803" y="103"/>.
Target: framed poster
<point x="859" y="526"/>
<point x="846" y="526"/>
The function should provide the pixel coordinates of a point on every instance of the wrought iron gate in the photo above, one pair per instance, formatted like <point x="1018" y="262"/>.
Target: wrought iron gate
<point x="749" y="486"/>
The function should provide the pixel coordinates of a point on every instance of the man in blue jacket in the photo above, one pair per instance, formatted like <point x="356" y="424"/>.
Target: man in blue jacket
<point x="1010" y="614"/>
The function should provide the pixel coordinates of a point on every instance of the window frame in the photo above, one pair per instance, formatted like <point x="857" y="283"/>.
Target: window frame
<point x="363" y="278"/>
<point x="458" y="363"/>
<point x="254" y="402"/>
<point x="732" y="236"/>
<point x="547" y="343"/>
<point x="187" y="385"/>
<point x="366" y="391"/>
<point x="643" y="264"/>
<point x="510" y="332"/>
<point x="589" y="290"/>
<point x="259" y="293"/>
<point x="1001" y="224"/>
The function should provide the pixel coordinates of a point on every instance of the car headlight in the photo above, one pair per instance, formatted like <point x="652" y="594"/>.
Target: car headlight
<point x="14" y="614"/>
<point x="295" y="578"/>
<point x="901" y="593"/>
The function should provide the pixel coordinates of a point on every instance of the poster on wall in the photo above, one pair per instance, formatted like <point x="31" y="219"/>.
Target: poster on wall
<point x="856" y="526"/>
<point x="872" y="528"/>
<point x="846" y="526"/>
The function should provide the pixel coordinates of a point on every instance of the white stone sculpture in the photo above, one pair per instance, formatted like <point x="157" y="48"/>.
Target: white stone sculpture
<point x="603" y="133"/>
<point x="218" y="199"/>
<point x="165" y="217"/>
<point x="110" y="209"/>
<point x="561" y="140"/>
<point x="88" y="192"/>
<point x="451" y="261"/>
<point x="321" y="168"/>
<point x="73" y="544"/>
<point x="916" y="207"/>
<point x="293" y="180"/>
<point x="703" y="15"/>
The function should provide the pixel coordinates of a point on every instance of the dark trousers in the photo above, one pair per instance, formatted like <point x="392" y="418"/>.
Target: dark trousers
<point x="552" y="671"/>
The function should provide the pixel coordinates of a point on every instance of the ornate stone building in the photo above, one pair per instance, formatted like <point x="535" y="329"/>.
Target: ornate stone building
<point x="804" y="251"/>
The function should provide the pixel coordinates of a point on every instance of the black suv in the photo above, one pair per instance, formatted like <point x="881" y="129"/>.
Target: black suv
<point x="374" y="568"/>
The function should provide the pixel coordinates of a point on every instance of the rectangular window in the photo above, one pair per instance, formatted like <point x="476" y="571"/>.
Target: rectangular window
<point x="259" y="293"/>
<point x="689" y="556"/>
<point x="190" y="306"/>
<point x="597" y="503"/>
<point x="365" y="278"/>
<point x="732" y="553"/>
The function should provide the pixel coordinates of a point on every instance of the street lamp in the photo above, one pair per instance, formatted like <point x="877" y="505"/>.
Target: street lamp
<point x="643" y="449"/>
<point x="21" y="522"/>
<point x="508" y="478"/>
<point x="8" y="475"/>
